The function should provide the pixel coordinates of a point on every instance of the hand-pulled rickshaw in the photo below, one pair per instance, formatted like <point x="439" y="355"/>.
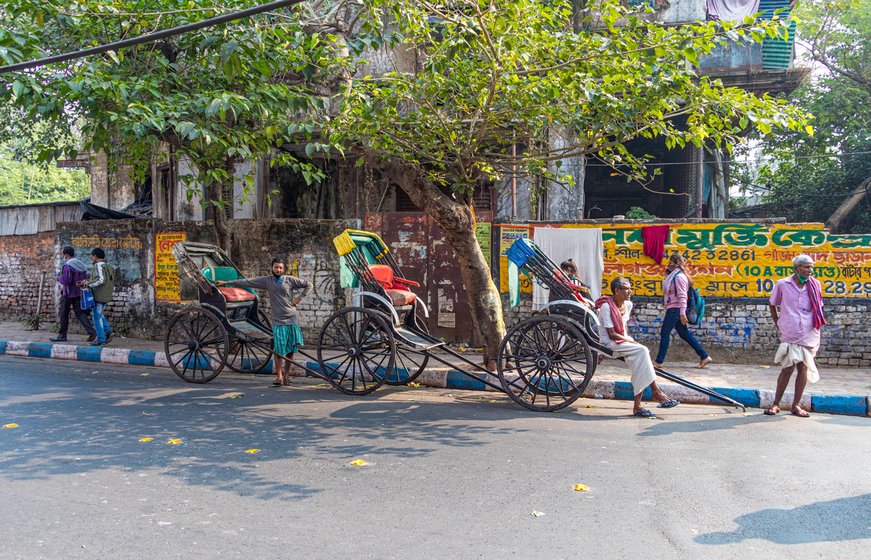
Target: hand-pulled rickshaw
<point x="227" y="328"/>
<point x="544" y="363"/>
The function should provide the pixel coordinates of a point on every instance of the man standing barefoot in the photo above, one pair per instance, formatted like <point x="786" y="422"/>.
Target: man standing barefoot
<point x="798" y="321"/>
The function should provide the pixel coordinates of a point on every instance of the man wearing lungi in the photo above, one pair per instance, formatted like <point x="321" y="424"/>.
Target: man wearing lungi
<point x="796" y="305"/>
<point x="614" y="313"/>
<point x="285" y="293"/>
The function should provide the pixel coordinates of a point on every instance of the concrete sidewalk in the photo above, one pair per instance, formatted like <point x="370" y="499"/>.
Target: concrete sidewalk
<point x="839" y="391"/>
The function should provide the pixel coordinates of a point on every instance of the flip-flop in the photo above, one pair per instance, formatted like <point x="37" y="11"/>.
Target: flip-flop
<point x="644" y="413"/>
<point x="670" y="403"/>
<point x="277" y="383"/>
<point x="769" y="412"/>
<point x="805" y="415"/>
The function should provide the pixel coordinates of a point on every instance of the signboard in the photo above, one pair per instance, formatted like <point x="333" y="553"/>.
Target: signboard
<point x="166" y="279"/>
<point x="737" y="260"/>
<point x="482" y="234"/>
<point x="507" y="236"/>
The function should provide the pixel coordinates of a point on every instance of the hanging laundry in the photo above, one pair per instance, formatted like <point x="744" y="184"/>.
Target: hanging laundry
<point x="655" y="238"/>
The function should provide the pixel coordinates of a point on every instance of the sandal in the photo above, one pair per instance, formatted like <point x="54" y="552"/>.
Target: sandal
<point x="276" y="382"/>
<point x="800" y="412"/>
<point x="705" y="362"/>
<point x="644" y="413"/>
<point x="772" y="410"/>
<point x="668" y="403"/>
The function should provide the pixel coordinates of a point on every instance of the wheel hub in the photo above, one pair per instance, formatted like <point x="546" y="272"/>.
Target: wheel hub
<point x="353" y="351"/>
<point x="542" y="363"/>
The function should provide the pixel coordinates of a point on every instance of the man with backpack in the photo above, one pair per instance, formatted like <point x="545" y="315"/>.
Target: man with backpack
<point x="102" y="284"/>
<point x="677" y="293"/>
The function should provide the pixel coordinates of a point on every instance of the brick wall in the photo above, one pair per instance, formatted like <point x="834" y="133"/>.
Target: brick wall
<point x="741" y="330"/>
<point x="129" y="247"/>
<point x="23" y="259"/>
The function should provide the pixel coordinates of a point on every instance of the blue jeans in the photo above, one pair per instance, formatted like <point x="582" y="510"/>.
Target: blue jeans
<point x="101" y="325"/>
<point x="669" y="323"/>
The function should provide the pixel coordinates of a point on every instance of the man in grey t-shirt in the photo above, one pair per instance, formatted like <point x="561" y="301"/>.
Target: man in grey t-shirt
<point x="285" y="293"/>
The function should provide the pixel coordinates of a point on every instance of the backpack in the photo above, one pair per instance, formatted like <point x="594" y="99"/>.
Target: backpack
<point x="695" y="305"/>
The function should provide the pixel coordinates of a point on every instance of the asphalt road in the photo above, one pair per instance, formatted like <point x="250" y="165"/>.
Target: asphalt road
<point x="448" y="474"/>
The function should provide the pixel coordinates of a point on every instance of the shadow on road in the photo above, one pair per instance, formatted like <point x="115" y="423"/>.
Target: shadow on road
<point x="844" y="519"/>
<point x="731" y="422"/>
<point x="76" y="419"/>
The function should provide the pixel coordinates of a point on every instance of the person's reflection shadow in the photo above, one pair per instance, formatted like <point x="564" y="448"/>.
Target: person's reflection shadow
<point x="843" y="519"/>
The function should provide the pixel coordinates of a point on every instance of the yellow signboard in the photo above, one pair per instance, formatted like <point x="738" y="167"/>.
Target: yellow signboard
<point x="507" y="236"/>
<point x="166" y="280"/>
<point x="737" y="260"/>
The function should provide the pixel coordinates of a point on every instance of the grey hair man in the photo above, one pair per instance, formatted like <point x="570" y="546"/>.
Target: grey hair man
<point x="796" y="306"/>
<point x="614" y="313"/>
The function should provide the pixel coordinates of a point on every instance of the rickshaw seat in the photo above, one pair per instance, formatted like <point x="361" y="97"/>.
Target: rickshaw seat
<point x="385" y="276"/>
<point x="401" y="297"/>
<point x="236" y="295"/>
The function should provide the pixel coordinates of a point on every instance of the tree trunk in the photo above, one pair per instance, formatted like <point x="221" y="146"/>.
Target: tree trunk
<point x="456" y="219"/>
<point x="843" y="212"/>
<point x="219" y="213"/>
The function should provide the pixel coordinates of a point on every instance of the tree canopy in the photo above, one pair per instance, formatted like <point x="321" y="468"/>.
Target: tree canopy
<point x="436" y="95"/>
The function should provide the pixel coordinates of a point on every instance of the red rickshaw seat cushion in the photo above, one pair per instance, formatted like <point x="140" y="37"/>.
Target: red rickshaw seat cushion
<point x="236" y="295"/>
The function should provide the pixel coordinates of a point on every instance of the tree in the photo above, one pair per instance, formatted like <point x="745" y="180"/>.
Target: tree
<point x="470" y="79"/>
<point x="238" y="91"/>
<point x="806" y="178"/>
<point x="488" y="75"/>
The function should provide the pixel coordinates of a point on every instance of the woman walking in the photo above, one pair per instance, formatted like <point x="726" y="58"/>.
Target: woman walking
<point x="675" y="288"/>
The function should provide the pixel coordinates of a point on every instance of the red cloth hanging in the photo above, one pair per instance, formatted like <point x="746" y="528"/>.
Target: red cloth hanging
<point x="655" y="238"/>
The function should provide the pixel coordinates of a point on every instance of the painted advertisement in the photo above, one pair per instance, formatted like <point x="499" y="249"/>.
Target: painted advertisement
<point x="737" y="259"/>
<point x="166" y="279"/>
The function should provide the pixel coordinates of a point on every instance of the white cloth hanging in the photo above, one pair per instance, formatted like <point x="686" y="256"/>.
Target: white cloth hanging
<point x="731" y="10"/>
<point x="560" y="244"/>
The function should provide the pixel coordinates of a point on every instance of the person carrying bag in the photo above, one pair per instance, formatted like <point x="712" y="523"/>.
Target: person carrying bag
<point x="677" y="292"/>
<point x="101" y="285"/>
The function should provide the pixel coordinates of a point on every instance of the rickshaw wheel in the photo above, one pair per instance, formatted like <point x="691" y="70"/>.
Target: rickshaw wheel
<point x="250" y="355"/>
<point x="196" y="345"/>
<point x="544" y="363"/>
<point x="356" y="350"/>
<point x="409" y="363"/>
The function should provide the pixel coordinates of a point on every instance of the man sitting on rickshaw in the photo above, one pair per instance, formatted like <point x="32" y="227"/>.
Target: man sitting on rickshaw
<point x="614" y="312"/>
<point x="284" y="297"/>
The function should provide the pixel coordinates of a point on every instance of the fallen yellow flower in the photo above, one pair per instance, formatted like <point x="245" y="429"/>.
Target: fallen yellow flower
<point x="174" y="442"/>
<point x="8" y="426"/>
<point x="581" y="488"/>
<point x="358" y="463"/>
<point x="145" y="439"/>
<point x="252" y="451"/>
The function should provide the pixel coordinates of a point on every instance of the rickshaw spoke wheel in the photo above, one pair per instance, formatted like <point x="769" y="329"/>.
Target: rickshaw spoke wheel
<point x="196" y="345"/>
<point x="250" y="355"/>
<point x="544" y="363"/>
<point x="356" y="350"/>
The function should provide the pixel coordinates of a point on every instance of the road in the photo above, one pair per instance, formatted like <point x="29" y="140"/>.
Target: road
<point x="448" y="474"/>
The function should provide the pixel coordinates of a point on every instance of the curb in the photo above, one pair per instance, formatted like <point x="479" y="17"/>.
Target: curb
<point x="447" y="378"/>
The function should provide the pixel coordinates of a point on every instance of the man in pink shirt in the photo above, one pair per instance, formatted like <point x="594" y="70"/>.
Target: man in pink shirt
<point x="796" y="307"/>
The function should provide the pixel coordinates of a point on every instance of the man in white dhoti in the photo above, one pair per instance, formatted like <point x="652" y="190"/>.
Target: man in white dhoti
<point x="798" y="319"/>
<point x="614" y="313"/>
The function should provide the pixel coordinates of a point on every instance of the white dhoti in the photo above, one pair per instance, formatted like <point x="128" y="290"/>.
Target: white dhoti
<point x="638" y="358"/>
<point x="789" y="354"/>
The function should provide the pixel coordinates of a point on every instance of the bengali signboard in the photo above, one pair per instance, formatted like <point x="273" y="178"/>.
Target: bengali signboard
<point x="166" y="279"/>
<point x="738" y="260"/>
<point x="508" y="234"/>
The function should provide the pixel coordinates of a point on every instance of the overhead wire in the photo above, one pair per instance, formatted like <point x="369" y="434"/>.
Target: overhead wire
<point x="151" y="37"/>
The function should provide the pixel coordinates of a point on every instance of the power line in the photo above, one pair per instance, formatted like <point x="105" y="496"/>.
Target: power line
<point x="156" y="36"/>
<point x="761" y="158"/>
